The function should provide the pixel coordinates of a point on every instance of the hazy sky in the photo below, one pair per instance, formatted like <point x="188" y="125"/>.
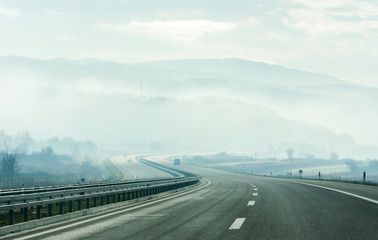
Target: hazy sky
<point x="338" y="37"/>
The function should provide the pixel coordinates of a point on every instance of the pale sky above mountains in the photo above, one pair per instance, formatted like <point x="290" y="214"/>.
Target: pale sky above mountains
<point x="338" y="37"/>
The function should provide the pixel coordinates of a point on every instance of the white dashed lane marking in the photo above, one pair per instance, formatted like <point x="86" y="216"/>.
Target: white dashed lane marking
<point x="255" y="189"/>
<point x="251" y="203"/>
<point x="255" y="194"/>
<point x="237" y="223"/>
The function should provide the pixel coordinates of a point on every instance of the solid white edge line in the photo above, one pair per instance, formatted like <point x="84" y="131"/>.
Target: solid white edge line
<point x="251" y="203"/>
<point x="111" y="214"/>
<point x="339" y="191"/>
<point x="237" y="224"/>
<point x="134" y="175"/>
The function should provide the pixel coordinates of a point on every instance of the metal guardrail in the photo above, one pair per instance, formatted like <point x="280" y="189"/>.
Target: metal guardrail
<point x="29" y="190"/>
<point x="98" y="193"/>
<point x="118" y="193"/>
<point x="22" y="200"/>
<point x="173" y="171"/>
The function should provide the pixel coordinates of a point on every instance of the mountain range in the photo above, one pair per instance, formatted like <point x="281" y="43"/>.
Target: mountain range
<point x="189" y="104"/>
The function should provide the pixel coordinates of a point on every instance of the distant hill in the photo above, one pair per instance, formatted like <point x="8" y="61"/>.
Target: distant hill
<point x="258" y="72"/>
<point x="222" y="105"/>
<point x="248" y="70"/>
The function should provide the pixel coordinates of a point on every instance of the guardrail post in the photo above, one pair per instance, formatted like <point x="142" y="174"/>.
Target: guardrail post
<point x="94" y="202"/>
<point x="114" y="198"/>
<point x="87" y="203"/>
<point x="38" y="212"/>
<point x="107" y="199"/>
<point x="50" y="209"/>
<point x="79" y="204"/>
<point x="61" y="208"/>
<point x="128" y="196"/>
<point x="133" y="195"/>
<point x="70" y="206"/>
<point x="119" y="197"/>
<point x="124" y="196"/>
<point x="25" y="211"/>
<point x="102" y="200"/>
<point x="11" y="217"/>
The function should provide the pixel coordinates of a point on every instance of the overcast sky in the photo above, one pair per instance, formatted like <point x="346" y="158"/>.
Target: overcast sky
<point x="338" y="37"/>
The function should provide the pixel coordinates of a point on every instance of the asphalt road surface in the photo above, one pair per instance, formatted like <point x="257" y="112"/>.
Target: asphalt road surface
<point x="237" y="206"/>
<point x="133" y="169"/>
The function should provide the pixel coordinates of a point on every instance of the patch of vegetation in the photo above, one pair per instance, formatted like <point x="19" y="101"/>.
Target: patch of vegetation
<point x="110" y="171"/>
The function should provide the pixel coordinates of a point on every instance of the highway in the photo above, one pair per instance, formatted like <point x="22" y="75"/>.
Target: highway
<point x="133" y="169"/>
<point x="235" y="206"/>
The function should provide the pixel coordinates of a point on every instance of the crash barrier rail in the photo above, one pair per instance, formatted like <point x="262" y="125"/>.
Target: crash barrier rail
<point x="174" y="171"/>
<point x="16" y="191"/>
<point x="97" y="195"/>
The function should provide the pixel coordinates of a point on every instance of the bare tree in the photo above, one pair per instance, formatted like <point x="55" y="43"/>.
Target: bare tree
<point x="290" y="153"/>
<point x="9" y="163"/>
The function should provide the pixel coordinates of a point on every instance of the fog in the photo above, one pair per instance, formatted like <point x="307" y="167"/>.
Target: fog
<point x="82" y="83"/>
<point x="195" y="105"/>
